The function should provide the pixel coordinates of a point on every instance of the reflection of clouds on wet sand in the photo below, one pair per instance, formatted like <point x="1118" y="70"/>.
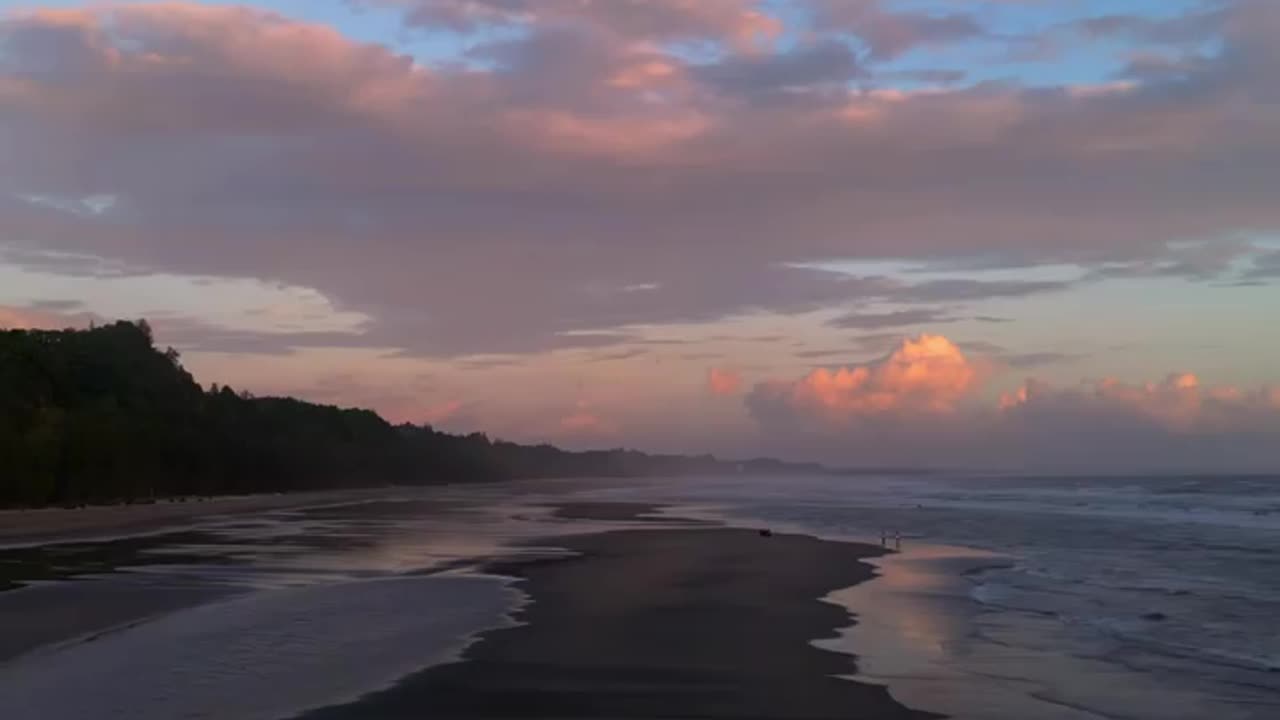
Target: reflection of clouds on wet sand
<point x="275" y="544"/>
<point x="260" y="655"/>
<point x="300" y="606"/>
<point x="915" y="624"/>
<point x="918" y="610"/>
<point x="919" y="632"/>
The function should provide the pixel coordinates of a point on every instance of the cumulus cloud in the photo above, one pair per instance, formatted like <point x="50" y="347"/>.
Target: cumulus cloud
<point x="1178" y="424"/>
<point x="514" y="206"/>
<point x="925" y="375"/>
<point x="587" y="172"/>
<point x="1179" y="405"/>
<point x="923" y="402"/>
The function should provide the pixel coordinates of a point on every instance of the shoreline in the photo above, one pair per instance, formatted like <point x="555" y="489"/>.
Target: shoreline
<point x="55" y="525"/>
<point x="191" y="662"/>
<point x="707" y="622"/>
<point x="942" y="638"/>
<point x="661" y="614"/>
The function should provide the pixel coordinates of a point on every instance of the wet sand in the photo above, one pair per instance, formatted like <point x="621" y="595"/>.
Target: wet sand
<point x="607" y="511"/>
<point x="707" y="623"/>
<point x="56" y="525"/>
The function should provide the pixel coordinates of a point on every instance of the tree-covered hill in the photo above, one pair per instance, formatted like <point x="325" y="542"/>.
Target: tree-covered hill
<point x="102" y="415"/>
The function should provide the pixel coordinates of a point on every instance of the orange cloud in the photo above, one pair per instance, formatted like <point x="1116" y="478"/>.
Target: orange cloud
<point x="441" y="412"/>
<point x="1180" y="404"/>
<point x="583" y="421"/>
<point x="14" y="318"/>
<point x="645" y="74"/>
<point x="911" y="407"/>
<point x="927" y="374"/>
<point x="723" y="382"/>
<point x="622" y="134"/>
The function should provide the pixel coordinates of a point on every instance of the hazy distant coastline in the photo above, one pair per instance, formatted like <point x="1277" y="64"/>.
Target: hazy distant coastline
<point x="100" y="416"/>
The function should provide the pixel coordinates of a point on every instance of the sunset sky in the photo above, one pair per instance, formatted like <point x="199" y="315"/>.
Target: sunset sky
<point x="981" y="233"/>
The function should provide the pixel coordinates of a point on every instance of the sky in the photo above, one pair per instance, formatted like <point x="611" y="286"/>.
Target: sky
<point x="991" y="234"/>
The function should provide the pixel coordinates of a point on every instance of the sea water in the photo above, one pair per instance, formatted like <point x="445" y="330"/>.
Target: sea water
<point x="1064" y="597"/>
<point x="1012" y="597"/>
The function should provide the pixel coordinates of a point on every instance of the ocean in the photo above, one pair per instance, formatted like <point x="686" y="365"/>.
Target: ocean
<point x="1046" y="597"/>
<point x="1010" y="597"/>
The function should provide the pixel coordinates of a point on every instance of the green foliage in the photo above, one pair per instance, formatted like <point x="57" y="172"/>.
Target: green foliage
<point x="101" y="415"/>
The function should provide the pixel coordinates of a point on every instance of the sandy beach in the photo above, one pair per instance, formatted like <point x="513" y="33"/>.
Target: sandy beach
<point x="94" y="522"/>
<point x="401" y="605"/>
<point x="709" y="623"/>
<point x="54" y="544"/>
<point x="661" y="619"/>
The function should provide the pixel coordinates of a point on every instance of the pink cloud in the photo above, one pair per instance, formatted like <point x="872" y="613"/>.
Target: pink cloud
<point x="584" y="422"/>
<point x="927" y="374"/>
<point x="722" y="381"/>
<point x="1179" y="404"/>
<point x="241" y="62"/>
<point x="921" y="404"/>
<point x="590" y="161"/>
<point x="440" y="412"/>
<point x="28" y="318"/>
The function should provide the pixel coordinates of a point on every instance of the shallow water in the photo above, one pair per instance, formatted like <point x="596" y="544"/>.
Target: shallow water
<point x="1012" y="598"/>
<point x="262" y="615"/>
<point x="262" y="655"/>
<point x="1110" y="597"/>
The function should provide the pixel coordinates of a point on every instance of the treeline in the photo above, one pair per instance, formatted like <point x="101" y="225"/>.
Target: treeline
<point x="102" y="415"/>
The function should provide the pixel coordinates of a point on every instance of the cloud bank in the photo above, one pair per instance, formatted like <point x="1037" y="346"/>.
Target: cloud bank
<point x="923" y="404"/>
<point x="514" y="200"/>
<point x="520" y="178"/>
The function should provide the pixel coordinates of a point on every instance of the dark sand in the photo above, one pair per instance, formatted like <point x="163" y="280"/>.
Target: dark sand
<point x="609" y="511"/>
<point x="97" y="522"/>
<point x="53" y="614"/>
<point x="684" y="623"/>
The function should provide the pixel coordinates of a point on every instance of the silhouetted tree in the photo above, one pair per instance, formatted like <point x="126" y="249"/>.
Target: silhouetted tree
<point x="101" y="415"/>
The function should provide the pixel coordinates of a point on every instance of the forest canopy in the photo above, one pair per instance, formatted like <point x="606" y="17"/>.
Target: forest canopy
<point x="102" y="415"/>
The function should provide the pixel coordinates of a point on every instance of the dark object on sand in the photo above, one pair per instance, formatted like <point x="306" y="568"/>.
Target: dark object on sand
<point x="1154" y="616"/>
<point x="766" y="532"/>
